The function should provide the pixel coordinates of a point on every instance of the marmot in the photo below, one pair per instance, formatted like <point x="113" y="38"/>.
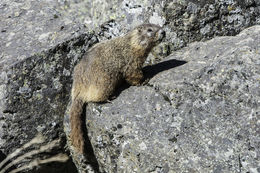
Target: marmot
<point x="102" y="68"/>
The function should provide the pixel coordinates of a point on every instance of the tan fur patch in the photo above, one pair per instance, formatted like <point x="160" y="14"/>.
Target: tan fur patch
<point x="92" y="94"/>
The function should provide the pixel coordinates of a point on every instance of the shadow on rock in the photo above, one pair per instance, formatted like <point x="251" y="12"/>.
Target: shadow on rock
<point x="149" y="72"/>
<point x="90" y="156"/>
<point x="152" y="70"/>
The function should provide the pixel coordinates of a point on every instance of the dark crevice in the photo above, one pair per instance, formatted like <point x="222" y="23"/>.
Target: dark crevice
<point x="90" y="155"/>
<point x="2" y="156"/>
<point x="9" y="111"/>
<point x="239" y="163"/>
<point x="166" y="98"/>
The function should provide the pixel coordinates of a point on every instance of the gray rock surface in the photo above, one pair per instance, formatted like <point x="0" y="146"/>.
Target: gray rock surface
<point x="38" y="50"/>
<point x="185" y="21"/>
<point x="41" y="41"/>
<point x="28" y="27"/>
<point x="199" y="112"/>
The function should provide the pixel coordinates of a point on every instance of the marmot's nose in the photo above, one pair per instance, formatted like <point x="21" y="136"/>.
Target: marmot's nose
<point x="162" y="34"/>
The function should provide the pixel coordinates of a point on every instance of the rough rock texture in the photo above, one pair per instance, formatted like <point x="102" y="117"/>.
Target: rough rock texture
<point x="199" y="112"/>
<point x="30" y="26"/>
<point x="185" y="21"/>
<point x="38" y="50"/>
<point x="40" y="42"/>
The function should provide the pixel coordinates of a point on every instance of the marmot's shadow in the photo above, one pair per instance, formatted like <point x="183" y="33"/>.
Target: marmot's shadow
<point x="150" y="71"/>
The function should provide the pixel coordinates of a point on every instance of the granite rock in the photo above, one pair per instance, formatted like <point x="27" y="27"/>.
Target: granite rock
<point x="201" y="105"/>
<point x="38" y="50"/>
<point x="185" y="21"/>
<point x="199" y="112"/>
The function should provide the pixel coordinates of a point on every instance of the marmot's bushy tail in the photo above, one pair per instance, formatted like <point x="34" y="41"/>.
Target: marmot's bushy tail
<point x="76" y="135"/>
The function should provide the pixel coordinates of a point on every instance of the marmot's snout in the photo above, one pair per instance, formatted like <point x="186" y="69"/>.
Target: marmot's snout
<point x="161" y="35"/>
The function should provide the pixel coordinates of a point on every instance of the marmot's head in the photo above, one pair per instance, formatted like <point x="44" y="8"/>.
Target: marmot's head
<point x="147" y="36"/>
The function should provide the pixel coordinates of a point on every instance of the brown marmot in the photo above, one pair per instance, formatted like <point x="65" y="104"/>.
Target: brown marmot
<point x="102" y="68"/>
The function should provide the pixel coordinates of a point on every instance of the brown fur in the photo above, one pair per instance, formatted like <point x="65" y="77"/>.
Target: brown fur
<point x="104" y="66"/>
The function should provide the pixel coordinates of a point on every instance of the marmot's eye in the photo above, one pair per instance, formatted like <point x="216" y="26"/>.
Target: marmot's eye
<point x="150" y="30"/>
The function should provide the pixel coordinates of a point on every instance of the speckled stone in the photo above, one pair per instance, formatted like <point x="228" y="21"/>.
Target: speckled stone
<point x="211" y="102"/>
<point x="38" y="50"/>
<point x="199" y="113"/>
<point x="185" y="21"/>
